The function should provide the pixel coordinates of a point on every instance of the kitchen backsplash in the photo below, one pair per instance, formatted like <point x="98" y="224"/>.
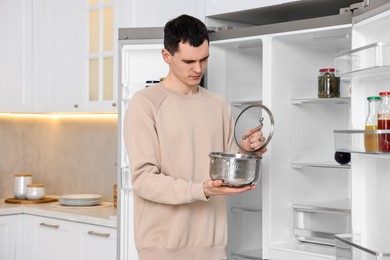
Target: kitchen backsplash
<point x="67" y="154"/>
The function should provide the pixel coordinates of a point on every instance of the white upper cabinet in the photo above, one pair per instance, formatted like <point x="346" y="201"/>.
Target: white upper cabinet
<point x="215" y="7"/>
<point x="16" y="55"/>
<point x="152" y="13"/>
<point x="74" y="56"/>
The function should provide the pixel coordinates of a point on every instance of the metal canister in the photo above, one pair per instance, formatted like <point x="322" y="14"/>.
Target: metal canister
<point x="328" y="84"/>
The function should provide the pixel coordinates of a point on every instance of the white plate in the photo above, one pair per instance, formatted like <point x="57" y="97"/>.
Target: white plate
<point x="81" y="197"/>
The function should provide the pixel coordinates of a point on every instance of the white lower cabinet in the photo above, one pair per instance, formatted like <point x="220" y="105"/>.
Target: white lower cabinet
<point x="10" y="235"/>
<point x="49" y="238"/>
<point x="95" y="242"/>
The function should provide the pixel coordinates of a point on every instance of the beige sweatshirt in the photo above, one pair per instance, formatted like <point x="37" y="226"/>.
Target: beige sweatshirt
<point x="168" y="137"/>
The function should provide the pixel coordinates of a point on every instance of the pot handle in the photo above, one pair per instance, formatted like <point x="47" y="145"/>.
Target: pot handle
<point x="261" y="125"/>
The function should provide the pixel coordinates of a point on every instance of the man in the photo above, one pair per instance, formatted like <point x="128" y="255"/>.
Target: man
<point x="169" y="130"/>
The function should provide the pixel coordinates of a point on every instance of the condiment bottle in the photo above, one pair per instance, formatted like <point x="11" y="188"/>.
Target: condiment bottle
<point x="384" y="121"/>
<point x="371" y="141"/>
<point x="328" y="84"/>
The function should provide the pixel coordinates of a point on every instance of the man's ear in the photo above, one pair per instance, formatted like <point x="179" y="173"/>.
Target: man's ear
<point x="166" y="56"/>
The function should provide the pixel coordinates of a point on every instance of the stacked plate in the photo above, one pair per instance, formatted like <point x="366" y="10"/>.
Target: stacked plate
<point x="81" y="199"/>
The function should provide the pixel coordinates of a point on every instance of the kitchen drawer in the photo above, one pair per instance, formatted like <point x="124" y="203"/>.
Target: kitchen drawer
<point x="319" y="222"/>
<point x="354" y="246"/>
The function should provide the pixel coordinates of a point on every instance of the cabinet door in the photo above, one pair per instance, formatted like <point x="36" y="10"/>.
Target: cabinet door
<point x="10" y="234"/>
<point x="48" y="239"/>
<point x="96" y="242"/>
<point x="60" y="68"/>
<point x="16" y="55"/>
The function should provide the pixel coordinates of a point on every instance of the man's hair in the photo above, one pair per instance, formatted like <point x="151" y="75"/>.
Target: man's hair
<point x="185" y="29"/>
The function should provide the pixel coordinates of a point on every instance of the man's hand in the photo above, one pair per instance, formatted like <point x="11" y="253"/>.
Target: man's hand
<point x="213" y="188"/>
<point x="251" y="140"/>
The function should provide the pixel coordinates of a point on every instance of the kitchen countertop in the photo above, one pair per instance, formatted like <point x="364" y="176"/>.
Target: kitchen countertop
<point x="102" y="216"/>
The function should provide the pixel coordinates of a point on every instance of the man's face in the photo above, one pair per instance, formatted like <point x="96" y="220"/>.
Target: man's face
<point x="188" y="64"/>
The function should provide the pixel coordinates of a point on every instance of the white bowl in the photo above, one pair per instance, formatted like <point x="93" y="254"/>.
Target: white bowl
<point x="35" y="191"/>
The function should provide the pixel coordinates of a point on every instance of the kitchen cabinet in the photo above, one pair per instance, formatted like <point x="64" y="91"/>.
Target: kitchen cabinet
<point x="48" y="238"/>
<point x="10" y="236"/>
<point x="63" y="73"/>
<point x="96" y="242"/>
<point x="16" y="55"/>
<point x="223" y="6"/>
<point x="51" y="238"/>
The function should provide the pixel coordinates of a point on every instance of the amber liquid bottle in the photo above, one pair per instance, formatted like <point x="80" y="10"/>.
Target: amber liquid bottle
<point x="384" y="121"/>
<point x="371" y="142"/>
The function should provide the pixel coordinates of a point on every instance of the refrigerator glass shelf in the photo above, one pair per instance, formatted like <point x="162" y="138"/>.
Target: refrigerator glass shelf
<point x="255" y="208"/>
<point x="353" y="141"/>
<point x="246" y="103"/>
<point x="253" y="255"/>
<point x="328" y="165"/>
<point x="332" y="101"/>
<point x="364" y="61"/>
<point x="355" y="246"/>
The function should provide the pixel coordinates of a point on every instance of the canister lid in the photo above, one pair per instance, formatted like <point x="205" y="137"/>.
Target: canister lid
<point x="384" y="93"/>
<point x="327" y="69"/>
<point x="35" y="185"/>
<point x="23" y="175"/>
<point x="373" y="98"/>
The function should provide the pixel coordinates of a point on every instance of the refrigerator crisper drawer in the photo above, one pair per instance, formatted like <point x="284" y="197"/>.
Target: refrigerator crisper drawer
<point x="364" y="60"/>
<point x="353" y="246"/>
<point x="319" y="224"/>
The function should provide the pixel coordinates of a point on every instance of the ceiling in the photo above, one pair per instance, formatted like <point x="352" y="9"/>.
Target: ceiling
<point x="296" y="10"/>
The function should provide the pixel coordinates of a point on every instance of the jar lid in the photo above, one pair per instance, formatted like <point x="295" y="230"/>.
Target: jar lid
<point x="374" y="98"/>
<point x="35" y="185"/>
<point x="327" y="69"/>
<point x="23" y="175"/>
<point x="384" y="93"/>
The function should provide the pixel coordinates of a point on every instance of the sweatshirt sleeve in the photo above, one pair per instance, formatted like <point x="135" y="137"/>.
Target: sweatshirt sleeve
<point x="142" y="145"/>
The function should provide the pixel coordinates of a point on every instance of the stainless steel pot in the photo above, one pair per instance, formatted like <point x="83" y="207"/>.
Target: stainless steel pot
<point x="239" y="170"/>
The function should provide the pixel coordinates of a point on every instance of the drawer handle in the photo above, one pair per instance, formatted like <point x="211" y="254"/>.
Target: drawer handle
<point x="49" y="225"/>
<point x="93" y="233"/>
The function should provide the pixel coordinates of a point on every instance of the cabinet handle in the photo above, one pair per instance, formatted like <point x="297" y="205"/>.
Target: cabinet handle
<point x="114" y="104"/>
<point x="76" y="106"/>
<point x="49" y="225"/>
<point x="93" y="233"/>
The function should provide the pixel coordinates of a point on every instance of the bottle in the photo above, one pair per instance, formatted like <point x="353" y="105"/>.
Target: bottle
<point x="384" y="121"/>
<point x="328" y="84"/>
<point x="371" y="141"/>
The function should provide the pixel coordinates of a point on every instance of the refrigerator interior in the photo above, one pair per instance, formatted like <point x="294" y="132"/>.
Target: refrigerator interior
<point x="281" y="71"/>
<point x="235" y="72"/>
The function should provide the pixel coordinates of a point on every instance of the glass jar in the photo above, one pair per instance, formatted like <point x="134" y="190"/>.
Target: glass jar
<point x="328" y="84"/>
<point x="384" y="121"/>
<point x="371" y="142"/>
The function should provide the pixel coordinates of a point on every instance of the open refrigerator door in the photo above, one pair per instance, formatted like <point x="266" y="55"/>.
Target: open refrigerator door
<point x="140" y="64"/>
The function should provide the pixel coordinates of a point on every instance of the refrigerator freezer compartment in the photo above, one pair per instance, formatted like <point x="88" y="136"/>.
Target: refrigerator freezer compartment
<point x="360" y="141"/>
<point x="364" y="61"/>
<point x="319" y="222"/>
<point x="354" y="246"/>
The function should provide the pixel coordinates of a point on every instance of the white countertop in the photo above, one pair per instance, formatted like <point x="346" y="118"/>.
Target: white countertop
<point x="102" y="216"/>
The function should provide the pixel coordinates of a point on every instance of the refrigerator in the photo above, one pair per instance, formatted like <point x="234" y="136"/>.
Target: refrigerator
<point x="306" y="205"/>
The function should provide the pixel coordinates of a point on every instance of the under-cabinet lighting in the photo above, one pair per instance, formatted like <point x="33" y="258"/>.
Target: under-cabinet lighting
<point x="60" y="115"/>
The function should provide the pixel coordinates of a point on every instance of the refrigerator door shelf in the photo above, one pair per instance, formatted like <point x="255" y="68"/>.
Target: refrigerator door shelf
<point x="364" y="61"/>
